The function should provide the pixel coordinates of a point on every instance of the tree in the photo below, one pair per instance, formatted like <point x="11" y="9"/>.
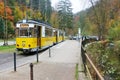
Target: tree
<point x="54" y="19"/>
<point x="102" y="13"/>
<point x="44" y="7"/>
<point x="37" y="15"/>
<point x="5" y="15"/>
<point x="65" y="15"/>
<point x="11" y="3"/>
<point x="82" y="22"/>
<point x="18" y="14"/>
<point x="6" y="9"/>
<point x="48" y="10"/>
<point x="1" y="28"/>
<point x="10" y="30"/>
<point x="22" y="2"/>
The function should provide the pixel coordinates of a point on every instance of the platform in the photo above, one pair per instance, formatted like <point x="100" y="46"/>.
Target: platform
<point x="60" y="66"/>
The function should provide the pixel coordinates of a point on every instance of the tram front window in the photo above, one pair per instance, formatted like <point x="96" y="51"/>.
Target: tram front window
<point x="27" y="32"/>
<point x="23" y="32"/>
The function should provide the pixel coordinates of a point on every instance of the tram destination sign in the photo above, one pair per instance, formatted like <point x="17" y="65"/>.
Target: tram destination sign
<point x="24" y="25"/>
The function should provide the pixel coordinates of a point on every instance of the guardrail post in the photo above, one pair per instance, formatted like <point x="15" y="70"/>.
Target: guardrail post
<point x="96" y="77"/>
<point x="83" y="55"/>
<point x="37" y="55"/>
<point x="31" y="71"/>
<point x="14" y="61"/>
<point x="83" y="58"/>
<point x="49" y="52"/>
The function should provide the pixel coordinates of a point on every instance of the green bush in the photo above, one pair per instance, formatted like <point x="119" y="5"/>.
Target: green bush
<point x="106" y="57"/>
<point x="114" y="31"/>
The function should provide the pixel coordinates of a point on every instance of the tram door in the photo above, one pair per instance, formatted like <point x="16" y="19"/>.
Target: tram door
<point x="56" y="36"/>
<point x="63" y="34"/>
<point x="39" y="36"/>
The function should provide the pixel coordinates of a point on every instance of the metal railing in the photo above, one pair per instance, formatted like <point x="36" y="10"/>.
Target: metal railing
<point x="87" y="61"/>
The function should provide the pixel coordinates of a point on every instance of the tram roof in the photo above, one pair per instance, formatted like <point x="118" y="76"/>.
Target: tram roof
<point x="40" y="22"/>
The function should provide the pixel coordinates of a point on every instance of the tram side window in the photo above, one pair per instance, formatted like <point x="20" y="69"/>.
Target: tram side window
<point x="35" y="32"/>
<point x="31" y="33"/>
<point x="48" y="32"/>
<point x="60" y="34"/>
<point x="55" y="33"/>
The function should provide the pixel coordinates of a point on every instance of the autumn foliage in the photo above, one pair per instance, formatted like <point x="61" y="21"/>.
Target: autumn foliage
<point x="6" y="10"/>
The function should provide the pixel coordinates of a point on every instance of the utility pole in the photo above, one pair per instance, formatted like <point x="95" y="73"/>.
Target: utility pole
<point x="5" y="25"/>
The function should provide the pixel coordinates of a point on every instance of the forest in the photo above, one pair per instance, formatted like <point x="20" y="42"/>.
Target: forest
<point x="101" y="19"/>
<point x="12" y="11"/>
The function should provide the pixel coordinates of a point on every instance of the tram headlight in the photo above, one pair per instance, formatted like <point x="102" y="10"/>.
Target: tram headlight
<point x="18" y="45"/>
<point x="29" y="45"/>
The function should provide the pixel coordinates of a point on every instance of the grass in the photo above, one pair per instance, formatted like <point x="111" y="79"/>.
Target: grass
<point x="10" y="48"/>
<point x="76" y="72"/>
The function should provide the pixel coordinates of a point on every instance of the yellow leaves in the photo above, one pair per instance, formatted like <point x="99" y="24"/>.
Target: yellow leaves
<point x="1" y="8"/>
<point x="111" y="22"/>
<point x="18" y="14"/>
<point x="37" y="15"/>
<point x="54" y="19"/>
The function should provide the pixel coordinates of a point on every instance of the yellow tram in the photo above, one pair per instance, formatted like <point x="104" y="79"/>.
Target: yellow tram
<point x="34" y="35"/>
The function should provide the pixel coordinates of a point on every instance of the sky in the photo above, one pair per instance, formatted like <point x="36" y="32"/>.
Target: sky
<point x="77" y="5"/>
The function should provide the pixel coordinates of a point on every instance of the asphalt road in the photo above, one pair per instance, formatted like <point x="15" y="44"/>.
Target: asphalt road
<point x="7" y="60"/>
